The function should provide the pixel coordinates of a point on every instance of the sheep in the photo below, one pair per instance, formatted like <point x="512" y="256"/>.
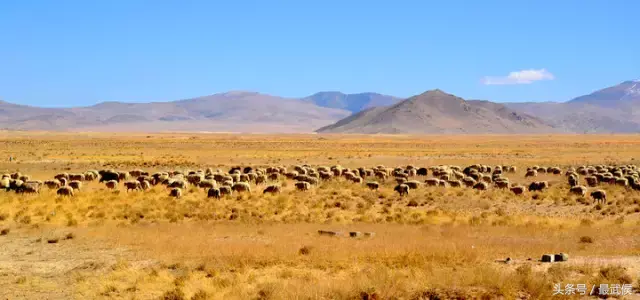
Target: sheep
<point x="52" y="184"/>
<point x="599" y="195"/>
<point x="413" y="184"/>
<point x="214" y="193"/>
<point x="75" y="184"/>
<point x="76" y="177"/>
<point x="179" y="183"/>
<point x="61" y="175"/>
<point x="146" y="185"/>
<point x="531" y="173"/>
<point x="225" y="190"/>
<point x="432" y="182"/>
<point x="272" y="189"/>
<point x="65" y="191"/>
<point x="578" y="190"/>
<point x="591" y="181"/>
<point x="517" y="189"/>
<point x="455" y="183"/>
<point x="175" y="192"/>
<point x="133" y="185"/>
<point x="402" y="189"/>
<point x="537" y="186"/>
<point x="503" y="183"/>
<point x="105" y="175"/>
<point x="111" y="184"/>
<point x="422" y="172"/>
<point x="241" y="187"/>
<point x="207" y="184"/>
<point x="481" y="186"/>
<point x="373" y="185"/>
<point x="261" y="179"/>
<point x="303" y="186"/>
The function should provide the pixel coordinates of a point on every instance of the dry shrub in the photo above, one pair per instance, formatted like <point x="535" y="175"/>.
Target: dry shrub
<point x="586" y="239"/>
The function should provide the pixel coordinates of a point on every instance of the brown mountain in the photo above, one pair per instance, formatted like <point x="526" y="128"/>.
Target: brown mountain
<point x="438" y="112"/>
<point x="233" y="111"/>
<point x="609" y="110"/>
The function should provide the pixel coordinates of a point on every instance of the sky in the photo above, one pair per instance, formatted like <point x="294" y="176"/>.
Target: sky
<point x="77" y="53"/>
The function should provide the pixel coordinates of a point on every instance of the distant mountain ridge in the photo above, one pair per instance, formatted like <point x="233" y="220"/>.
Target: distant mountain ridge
<point x="609" y="110"/>
<point x="351" y="102"/>
<point x="613" y="109"/>
<point x="436" y="111"/>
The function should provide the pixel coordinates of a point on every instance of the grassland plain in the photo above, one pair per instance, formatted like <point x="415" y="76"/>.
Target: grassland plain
<point x="436" y="242"/>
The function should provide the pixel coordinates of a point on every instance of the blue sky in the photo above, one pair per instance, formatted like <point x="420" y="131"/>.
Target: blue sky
<point x="68" y="53"/>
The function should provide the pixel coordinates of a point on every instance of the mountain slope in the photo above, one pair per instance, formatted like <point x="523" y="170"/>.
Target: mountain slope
<point x="234" y="111"/>
<point x="351" y="102"/>
<point x="609" y="110"/>
<point x="438" y="112"/>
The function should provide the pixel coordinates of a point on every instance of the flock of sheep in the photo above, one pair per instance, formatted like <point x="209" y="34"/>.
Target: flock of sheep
<point x="239" y="179"/>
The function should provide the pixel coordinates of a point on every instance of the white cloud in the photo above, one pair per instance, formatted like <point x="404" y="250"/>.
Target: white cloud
<point x="519" y="77"/>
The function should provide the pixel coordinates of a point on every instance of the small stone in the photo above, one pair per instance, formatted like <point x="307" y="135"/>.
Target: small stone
<point x="355" y="234"/>
<point x="561" y="257"/>
<point x="369" y="234"/>
<point x="508" y="260"/>
<point x="547" y="258"/>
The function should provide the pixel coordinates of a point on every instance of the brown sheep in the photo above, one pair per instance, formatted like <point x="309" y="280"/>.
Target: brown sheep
<point x="518" y="189"/>
<point x="531" y="173"/>
<point x="432" y="182"/>
<point x="75" y="184"/>
<point x="303" y="185"/>
<point x="133" y="185"/>
<point x="402" y="189"/>
<point x="372" y="185"/>
<point x="592" y="181"/>
<point x="261" y="179"/>
<point x="175" y="192"/>
<point x="214" y="193"/>
<point x="53" y="184"/>
<point x="111" y="184"/>
<point x="482" y="186"/>
<point x="225" y="190"/>
<point x="413" y="184"/>
<point x="272" y="189"/>
<point x="455" y="183"/>
<point x="145" y="185"/>
<point x="65" y="191"/>
<point x="241" y="187"/>
<point x="578" y="190"/>
<point x="599" y="196"/>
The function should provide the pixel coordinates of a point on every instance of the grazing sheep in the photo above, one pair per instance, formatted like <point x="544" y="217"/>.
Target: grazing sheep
<point x="578" y="190"/>
<point x="413" y="184"/>
<point x="225" y="190"/>
<point x="423" y="172"/>
<point x="454" y="183"/>
<point x="303" y="186"/>
<point x="357" y="179"/>
<point x="241" y="187"/>
<point x="133" y="185"/>
<point x="432" y="182"/>
<point x="29" y="188"/>
<point x="272" y="189"/>
<point x="469" y="182"/>
<point x="105" y="175"/>
<point x="75" y="184"/>
<point x="573" y="180"/>
<point x="214" y="193"/>
<point x="592" y="181"/>
<point x="145" y="185"/>
<point x="622" y="182"/>
<point x="531" y="173"/>
<point x="179" y="183"/>
<point x="207" y="184"/>
<point x="65" y="191"/>
<point x="261" y="179"/>
<point x="52" y="184"/>
<point x="372" y="185"/>
<point x="482" y="186"/>
<point x="243" y="178"/>
<point x="402" y="189"/>
<point x="61" y="175"/>
<point x="111" y="184"/>
<point x="123" y="175"/>
<point x="599" y="196"/>
<point x="503" y="183"/>
<point x="76" y="177"/>
<point x="537" y="186"/>
<point x="518" y="189"/>
<point x="175" y="192"/>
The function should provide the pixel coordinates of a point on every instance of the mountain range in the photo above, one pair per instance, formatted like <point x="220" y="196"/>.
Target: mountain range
<point x="608" y="110"/>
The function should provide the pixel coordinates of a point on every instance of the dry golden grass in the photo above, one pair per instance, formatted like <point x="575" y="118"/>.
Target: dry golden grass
<point x="146" y="245"/>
